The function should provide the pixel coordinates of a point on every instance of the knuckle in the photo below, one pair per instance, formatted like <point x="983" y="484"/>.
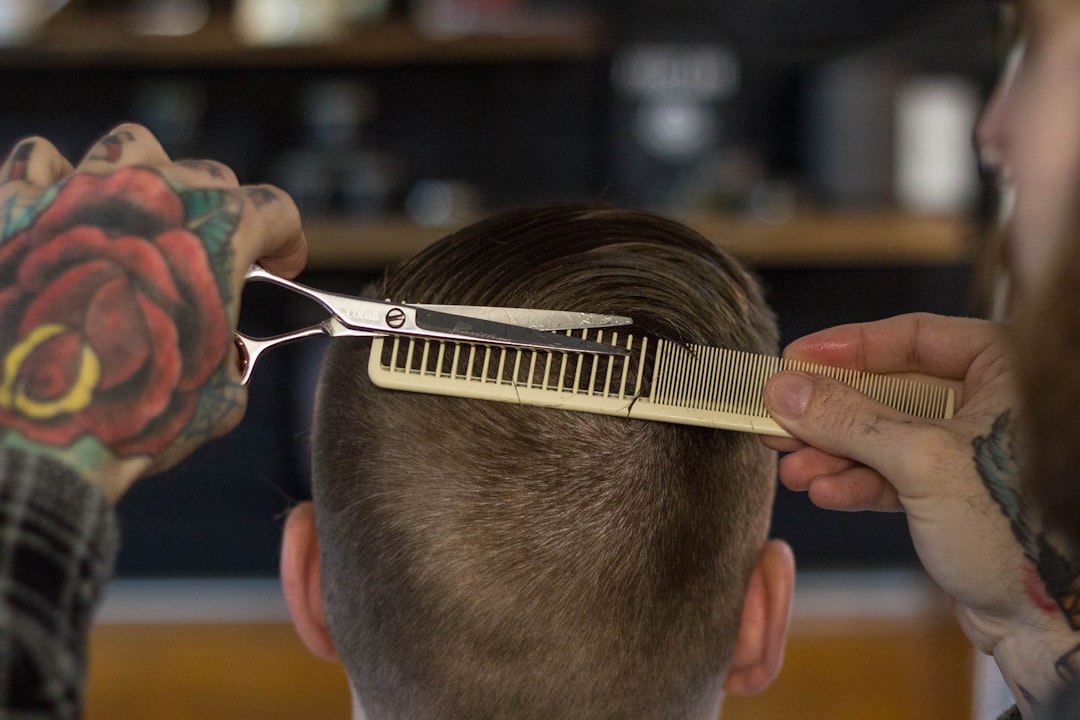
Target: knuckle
<point x="138" y="137"/>
<point x="132" y="128"/>
<point x="264" y="194"/>
<point x="227" y="172"/>
<point x="27" y="147"/>
<point x="217" y="170"/>
<point x="29" y="139"/>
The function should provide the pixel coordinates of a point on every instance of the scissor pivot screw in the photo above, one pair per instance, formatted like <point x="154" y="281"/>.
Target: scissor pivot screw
<point x="395" y="318"/>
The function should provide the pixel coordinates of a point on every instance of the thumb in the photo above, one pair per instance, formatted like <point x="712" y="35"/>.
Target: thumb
<point x="840" y="420"/>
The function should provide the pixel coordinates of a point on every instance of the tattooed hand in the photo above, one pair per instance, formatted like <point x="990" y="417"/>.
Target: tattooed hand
<point x="956" y="479"/>
<point x="120" y="281"/>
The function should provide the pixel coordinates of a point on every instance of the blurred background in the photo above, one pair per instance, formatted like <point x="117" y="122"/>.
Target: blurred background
<point x="840" y="169"/>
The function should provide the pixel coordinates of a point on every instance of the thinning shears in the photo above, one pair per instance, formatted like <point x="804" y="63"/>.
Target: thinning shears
<point x="361" y="317"/>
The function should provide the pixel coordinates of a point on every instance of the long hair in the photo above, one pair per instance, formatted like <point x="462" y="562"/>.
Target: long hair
<point x="489" y="560"/>
<point x="1046" y="338"/>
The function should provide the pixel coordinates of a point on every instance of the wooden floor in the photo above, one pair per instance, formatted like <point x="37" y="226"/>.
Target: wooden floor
<point x="910" y="672"/>
<point x="209" y="672"/>
<point x="898" y="664"/>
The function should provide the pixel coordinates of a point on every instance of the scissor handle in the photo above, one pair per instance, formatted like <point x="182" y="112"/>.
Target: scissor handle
<point x="256" y="272"/>
<point x="249" y="349"/>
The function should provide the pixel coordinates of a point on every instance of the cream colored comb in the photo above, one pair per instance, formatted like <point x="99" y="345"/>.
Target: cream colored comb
<point x="659" y="380"/>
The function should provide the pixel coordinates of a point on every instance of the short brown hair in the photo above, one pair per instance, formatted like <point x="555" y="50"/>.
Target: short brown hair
<point x="489" y="560"/>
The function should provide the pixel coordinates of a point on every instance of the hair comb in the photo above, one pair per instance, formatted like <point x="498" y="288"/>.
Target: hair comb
<point x="657" y="380"/>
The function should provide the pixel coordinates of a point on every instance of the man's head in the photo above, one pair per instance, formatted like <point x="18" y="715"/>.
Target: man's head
<point x="488" y="560"/>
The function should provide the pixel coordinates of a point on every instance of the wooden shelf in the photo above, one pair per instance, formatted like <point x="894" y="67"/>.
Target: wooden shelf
<point x="807" y="240"/>
<point x="822" y="239"/>
<point x="78" y="39"/>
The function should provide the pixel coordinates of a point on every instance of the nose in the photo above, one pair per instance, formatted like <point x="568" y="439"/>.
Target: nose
<point x="989" y="136"/>
<point x="992" y="137"/>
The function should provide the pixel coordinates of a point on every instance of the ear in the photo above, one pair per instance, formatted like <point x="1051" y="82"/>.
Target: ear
<point x="759" y="649"/>
<point x="301" y="583"/>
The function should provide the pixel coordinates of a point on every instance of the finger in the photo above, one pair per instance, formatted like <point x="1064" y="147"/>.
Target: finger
<point x="125" y="145"/>
<point x="270" y="232"/>
<point x="841" y="421"/>
<point x="943" y="347"/>
<point x="781" y="444"/>
<point x="800" y="468"/>
<point x="858" y="489"/>
<point x="35" y="161"/>
<point x="837" y="483"/>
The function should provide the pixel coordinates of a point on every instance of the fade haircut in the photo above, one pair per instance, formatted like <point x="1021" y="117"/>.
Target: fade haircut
<point x="486" y="560"/>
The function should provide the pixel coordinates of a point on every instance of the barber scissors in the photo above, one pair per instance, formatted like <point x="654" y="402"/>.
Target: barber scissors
<point x="362" y="317"/>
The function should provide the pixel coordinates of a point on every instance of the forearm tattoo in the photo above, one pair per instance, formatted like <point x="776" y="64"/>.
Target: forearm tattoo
<point x="114" y="297"/>
<point x="1053" y="582"/>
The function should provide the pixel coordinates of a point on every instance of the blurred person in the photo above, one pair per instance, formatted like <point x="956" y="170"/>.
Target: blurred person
<point x="1046" y="342"/>
<point x="1046" y="338"/>
<point x="1003" y="548"/>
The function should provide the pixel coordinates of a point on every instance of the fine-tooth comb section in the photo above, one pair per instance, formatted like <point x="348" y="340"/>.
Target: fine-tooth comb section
<point x="658" y="380"/>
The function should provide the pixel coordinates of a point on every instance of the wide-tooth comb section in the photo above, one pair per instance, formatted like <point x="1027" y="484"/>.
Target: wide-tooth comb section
<point x="658" y="380"/>
<point x="602" y="375"/>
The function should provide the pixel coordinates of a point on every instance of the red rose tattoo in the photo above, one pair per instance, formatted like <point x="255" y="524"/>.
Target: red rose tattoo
<point x="112" y="313"/>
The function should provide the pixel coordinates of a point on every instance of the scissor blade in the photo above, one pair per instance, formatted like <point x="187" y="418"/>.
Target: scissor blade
<point x="532" y="318"/>
<point x="373" y="317"/>
<point x="459" y="327"/>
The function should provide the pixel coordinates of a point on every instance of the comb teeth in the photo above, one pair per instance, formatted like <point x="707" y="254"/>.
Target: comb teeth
<point x="659" y="380"/>
<point x="584" y="373"/>
<point x="709" y="378"/>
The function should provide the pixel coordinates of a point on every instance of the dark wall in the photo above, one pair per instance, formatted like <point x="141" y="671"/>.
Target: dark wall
<point x="519" y="132"/>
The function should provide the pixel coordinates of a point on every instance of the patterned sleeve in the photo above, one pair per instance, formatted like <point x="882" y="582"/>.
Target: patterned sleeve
<point x="58" y="540"/>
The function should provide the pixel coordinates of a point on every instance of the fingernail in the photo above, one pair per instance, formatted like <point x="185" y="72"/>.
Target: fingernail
<point x="788" y="394"/>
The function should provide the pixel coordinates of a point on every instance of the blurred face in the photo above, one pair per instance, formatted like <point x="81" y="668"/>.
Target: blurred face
<point x="1030" y="135"/>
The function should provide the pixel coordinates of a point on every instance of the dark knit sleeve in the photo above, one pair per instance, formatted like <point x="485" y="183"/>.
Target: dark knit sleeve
<point x="58" y="542"/>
